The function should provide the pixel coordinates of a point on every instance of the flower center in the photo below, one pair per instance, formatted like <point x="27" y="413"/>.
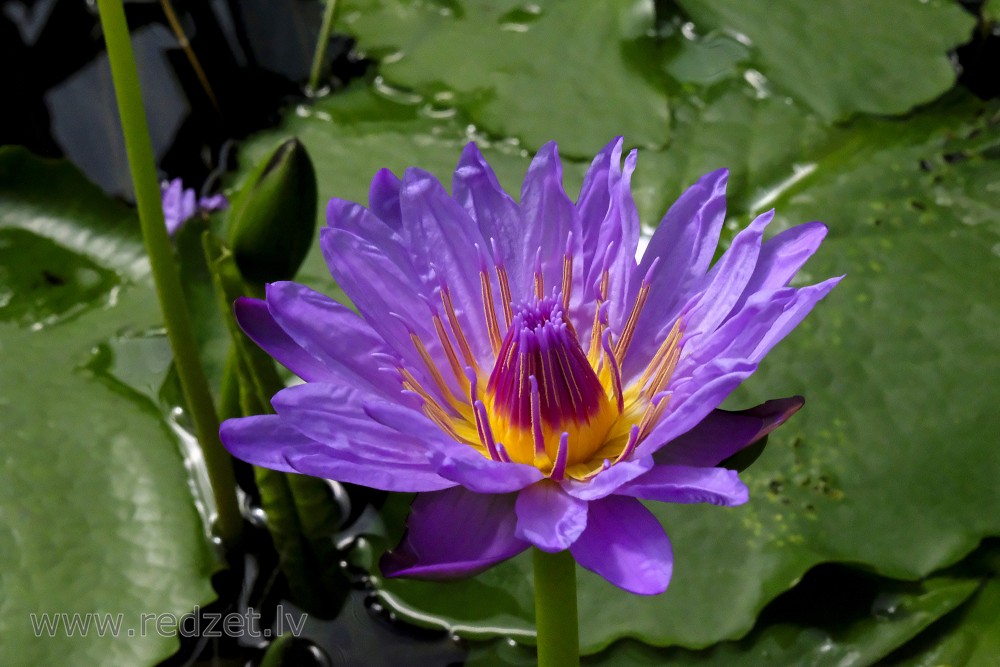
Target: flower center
<point x="548" y="402"/>
<point x="542" y="387"/>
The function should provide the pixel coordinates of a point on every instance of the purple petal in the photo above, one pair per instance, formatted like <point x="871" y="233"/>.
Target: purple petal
<point x="442" y="239"/>
<point x="721" y="434"/>
<point x="497" y="215"/>
<point x="271" y="442"/>
<point x="607" y="481"/>
<point x="262" y="441"/>
<point x="171" y="195"/>
<point x="684" y="242"/>
<point x="690" y="230"/>
<point x="686" y="484"/>
<point x="549" y="217"/>
<point x="363" y="223"/>
<point x="625" y="544"/>
<point x="379" y="285"/>
<point x="189" y="204"/>
<point x="619" y="236"/>
<point x="365" y="254"/>
<point x="724" y="284"/>
<point x="477" y="473"/>
<point x="455" y="533"/>
<point x="805" y="299"/>
<point x="739" y="336"/>
<point x="594" y="201"/>
<point x="782" y="256"/>
<point x="343" y="464"/>
<point x="215" y="202"/>
<point x="332" y="333"/>
<point x="335" y="415"/>
<point x="256" y="321"/>
<point x="703" y="393"/>
<point x="549" y="518"/>
<point x="383" y="199"/>
<point x="454" y="460"/>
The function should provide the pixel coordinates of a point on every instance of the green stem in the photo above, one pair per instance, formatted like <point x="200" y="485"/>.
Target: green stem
<point x="164" y="269"/>
<point x="324" y="39"/>
<point x="555" y="609"/>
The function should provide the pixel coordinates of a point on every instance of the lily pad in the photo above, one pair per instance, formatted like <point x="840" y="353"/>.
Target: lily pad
<point x="885" y="615"/>
<point x="97" y="509"/>
<point x="970" y="635"/>
<point x="845" y="57"/>
<point x="577" y="72"/>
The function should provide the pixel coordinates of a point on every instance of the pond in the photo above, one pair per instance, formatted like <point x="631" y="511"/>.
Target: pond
<point x="870" y="532"/>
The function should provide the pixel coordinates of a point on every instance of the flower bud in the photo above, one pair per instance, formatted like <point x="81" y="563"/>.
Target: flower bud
<point x="273" y="219"/>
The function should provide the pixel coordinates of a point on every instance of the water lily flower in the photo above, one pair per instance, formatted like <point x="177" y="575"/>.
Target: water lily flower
<point x="180" y="204"/>
<point x="515" y="365"/>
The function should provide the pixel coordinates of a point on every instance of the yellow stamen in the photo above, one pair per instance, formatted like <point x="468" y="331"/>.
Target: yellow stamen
<point x="596" y="334"/>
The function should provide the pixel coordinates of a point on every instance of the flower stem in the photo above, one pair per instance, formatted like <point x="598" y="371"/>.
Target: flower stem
<point x="321" y="43"/>
<point x="165" y="275"/>
<point x="555" y="609"/>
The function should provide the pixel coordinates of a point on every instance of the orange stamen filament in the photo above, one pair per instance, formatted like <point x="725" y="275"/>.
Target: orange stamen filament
<point x="449" y="350"/>
<point x="633" y="319"/>
<point x="665" y="348"/>
<point x="616" y="374"/>
<point x="567" y="280"/>
<point x="597" y="330"/>
<point x="652" y="414"/>
<point x="508" y="311"/>
<point x="666" y="370"/>
<point x="491" y="314"/>
<point x="456" y="328"/>
<point x="431" y="407"/>
<point x="435" y="372"/>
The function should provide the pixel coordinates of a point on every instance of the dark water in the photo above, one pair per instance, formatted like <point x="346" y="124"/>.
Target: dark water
<point x="256" y="56"/>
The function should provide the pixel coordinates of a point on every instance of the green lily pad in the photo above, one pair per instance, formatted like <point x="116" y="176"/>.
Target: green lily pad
<point x="970" y="635"/>
<point x="576" y="72"/>
<point x="97" y="509"/>
<point x="887" y="615"/>
<point x="990" y="11"/>
<point x="845" y="57"/>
